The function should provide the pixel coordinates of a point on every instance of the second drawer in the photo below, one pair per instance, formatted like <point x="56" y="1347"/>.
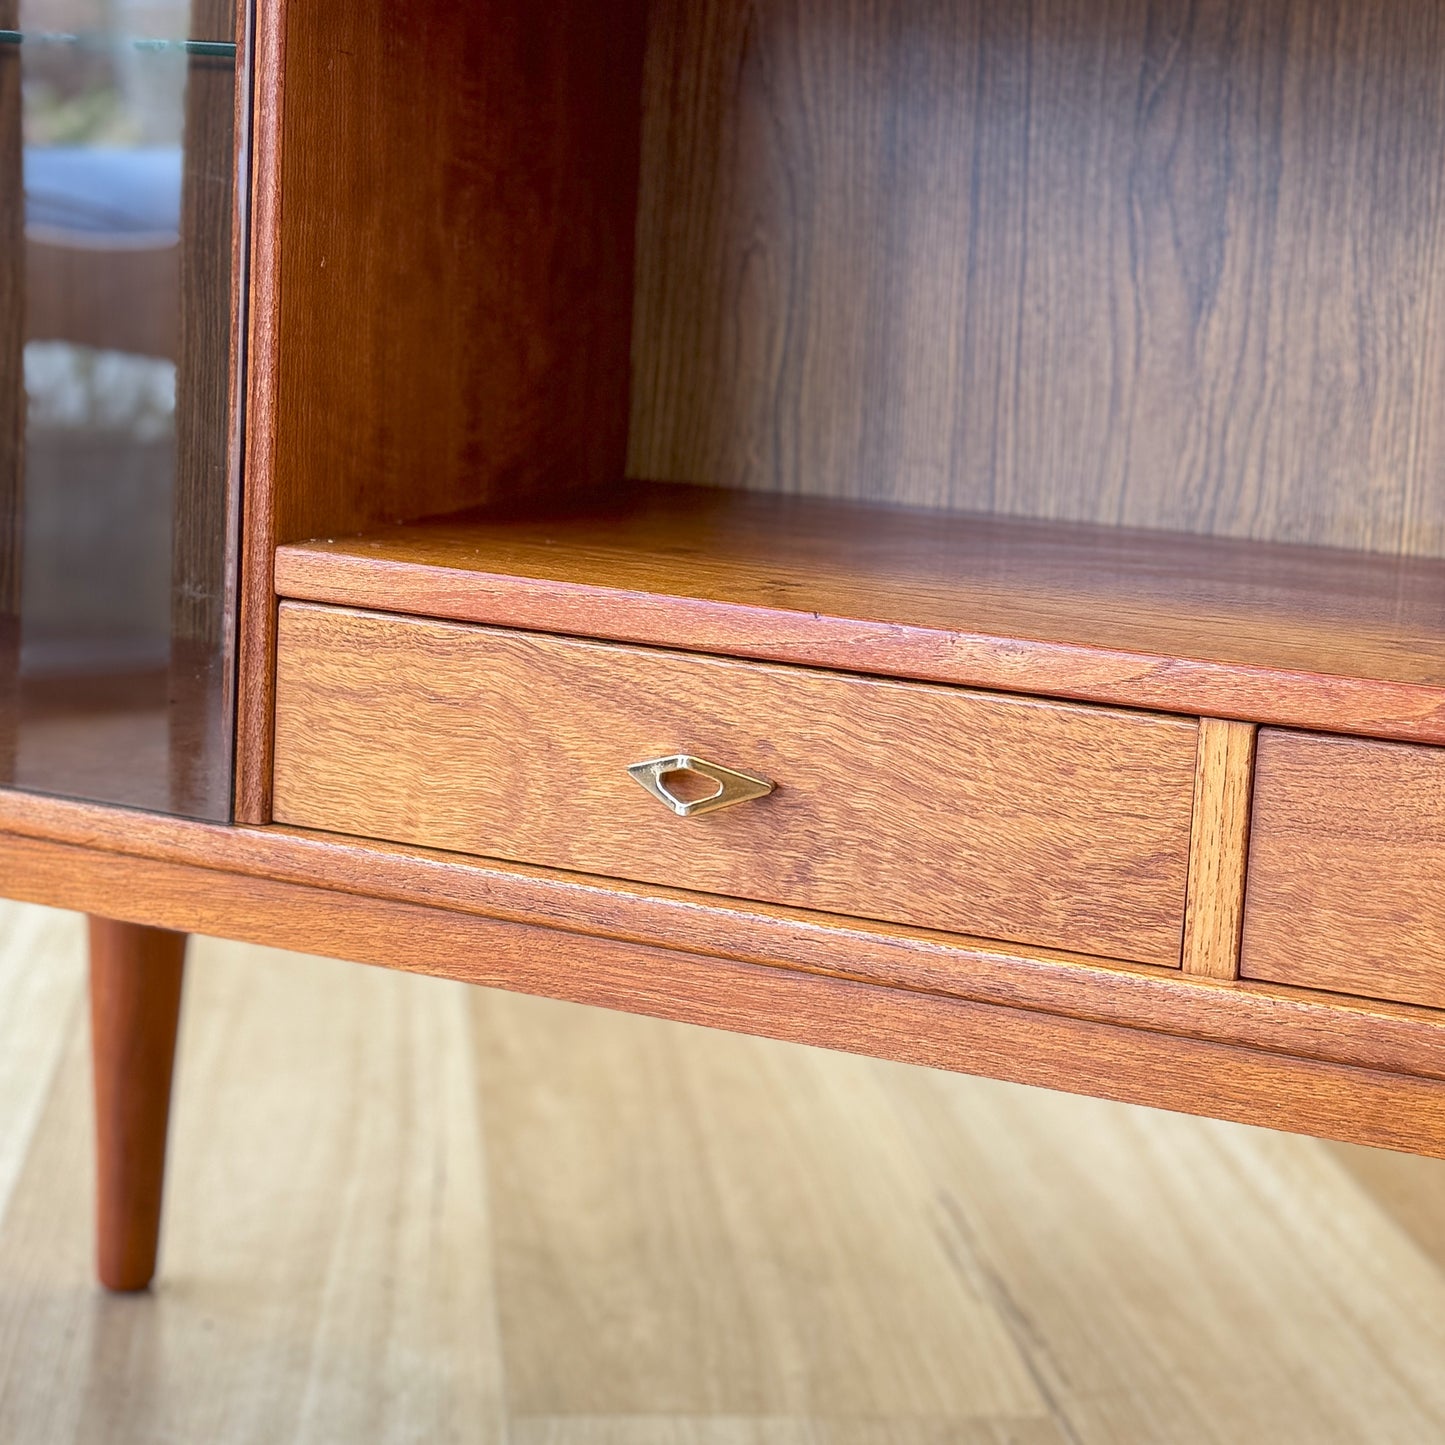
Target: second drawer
<point x="1347" y="867"/>
<point x="1010" y="818"/>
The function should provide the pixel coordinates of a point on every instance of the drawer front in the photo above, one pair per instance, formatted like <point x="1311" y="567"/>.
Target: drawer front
<point x="1346" y="883"/>
<point x="1008" y="818"/>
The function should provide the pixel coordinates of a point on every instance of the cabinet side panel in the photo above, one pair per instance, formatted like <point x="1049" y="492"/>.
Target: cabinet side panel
<point x="1106" y="260"/>
<point x="450" y="211"/>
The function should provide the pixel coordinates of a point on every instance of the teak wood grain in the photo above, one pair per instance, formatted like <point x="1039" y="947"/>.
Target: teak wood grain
<point x="256" y="610"/>
<point x="135" y="1002"/>
<point x="1365" y="1033"/>
<point x="1257" y="632"/>
<point x="1347" y="867"/>
<point x="443" y="275"/>
<point x="1132" y="1065"/>
<point x="1171" y="266"/>
<point x="1036" y="822"/>
<point x="1219" y="848"/>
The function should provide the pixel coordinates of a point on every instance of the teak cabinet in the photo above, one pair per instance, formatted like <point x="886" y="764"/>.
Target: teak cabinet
<point x="917" y="528"/>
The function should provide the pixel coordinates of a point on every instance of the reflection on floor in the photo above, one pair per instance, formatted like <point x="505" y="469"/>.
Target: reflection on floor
<point x="406" y="1211"/>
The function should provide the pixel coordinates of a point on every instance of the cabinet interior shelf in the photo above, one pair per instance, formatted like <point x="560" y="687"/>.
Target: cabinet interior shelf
<point x="1288" y="635"/>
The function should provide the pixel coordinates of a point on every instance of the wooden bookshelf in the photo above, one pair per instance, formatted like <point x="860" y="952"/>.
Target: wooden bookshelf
<point x="1006" y="439"/>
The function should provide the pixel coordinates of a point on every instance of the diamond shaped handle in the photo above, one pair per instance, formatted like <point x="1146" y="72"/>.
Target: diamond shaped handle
<point x="733" y="787"/>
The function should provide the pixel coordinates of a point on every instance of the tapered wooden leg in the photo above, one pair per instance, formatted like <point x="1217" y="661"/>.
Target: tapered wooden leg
<point x="135" y="1002"/>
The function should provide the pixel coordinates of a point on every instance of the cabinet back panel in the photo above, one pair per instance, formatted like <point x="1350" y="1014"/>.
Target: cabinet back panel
<point x="1165" y="264"/>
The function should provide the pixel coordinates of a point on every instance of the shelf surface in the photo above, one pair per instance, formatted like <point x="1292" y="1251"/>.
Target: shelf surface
<point x="1292" y="636"/>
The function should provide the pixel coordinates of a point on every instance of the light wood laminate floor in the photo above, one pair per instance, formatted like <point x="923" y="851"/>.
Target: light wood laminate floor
<point x="401" y="1210"/>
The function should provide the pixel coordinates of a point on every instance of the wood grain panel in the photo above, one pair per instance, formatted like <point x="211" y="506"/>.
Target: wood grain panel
<point x="444" y="274"/>
<point x="1365" y="1033"/>
<point x="1357" y="1032"/>
<point x="1163" y="265"/>
<point x="1129" y="1065"/>
<point x="1347" y="867"/>
<point x="1004" y="818"/>
<point x="1219" y="848"/>
<point x="1258" y="632"/>
<point x="256" y="621"/>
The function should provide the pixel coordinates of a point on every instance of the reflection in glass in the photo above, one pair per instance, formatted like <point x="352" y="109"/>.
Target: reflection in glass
<point x="116" y="493"/>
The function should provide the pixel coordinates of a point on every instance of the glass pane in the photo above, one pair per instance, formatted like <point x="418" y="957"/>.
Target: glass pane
<point x="116" y="380"/>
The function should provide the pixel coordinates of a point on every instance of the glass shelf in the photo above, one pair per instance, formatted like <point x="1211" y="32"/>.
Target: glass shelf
<point x="216" y="49"/>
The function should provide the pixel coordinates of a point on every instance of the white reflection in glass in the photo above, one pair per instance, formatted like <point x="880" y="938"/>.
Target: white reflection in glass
<point x="102" y="124"/>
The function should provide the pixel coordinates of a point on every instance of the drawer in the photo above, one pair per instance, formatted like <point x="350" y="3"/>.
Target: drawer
<point x="1001" y="817"/>
<point x="1346" y="883"/>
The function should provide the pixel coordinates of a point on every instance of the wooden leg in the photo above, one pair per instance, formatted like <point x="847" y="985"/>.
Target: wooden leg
<point x="135" y="1002"/>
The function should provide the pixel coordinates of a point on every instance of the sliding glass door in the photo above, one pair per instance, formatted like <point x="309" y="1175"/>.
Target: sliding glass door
<point x="118" y="410"/>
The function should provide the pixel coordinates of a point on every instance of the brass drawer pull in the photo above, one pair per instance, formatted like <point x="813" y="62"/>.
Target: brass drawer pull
<point x="732" y="787"/>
